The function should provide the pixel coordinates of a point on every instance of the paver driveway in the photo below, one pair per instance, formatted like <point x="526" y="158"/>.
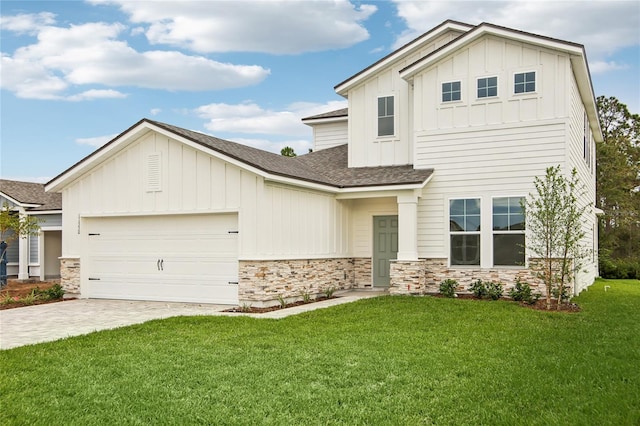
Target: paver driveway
<point x="44" y="323"/>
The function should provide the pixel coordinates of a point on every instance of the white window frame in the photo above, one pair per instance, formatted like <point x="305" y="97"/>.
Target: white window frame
<point x="393" y="116"/>
<point x="442" y="92"/>
<point x="497" y="87"/>
<point x="522" y="232"/>
<point x="450" y="233"/>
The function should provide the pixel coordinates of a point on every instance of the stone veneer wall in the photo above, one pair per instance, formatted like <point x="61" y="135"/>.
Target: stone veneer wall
<point x="425" y="275"/>
<point x="362" y="269"/>
<point x="70" y="276"/>
<point x="262" y="282"/>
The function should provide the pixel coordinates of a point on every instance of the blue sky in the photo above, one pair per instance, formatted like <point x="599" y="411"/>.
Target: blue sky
<point x="75" y="74"/>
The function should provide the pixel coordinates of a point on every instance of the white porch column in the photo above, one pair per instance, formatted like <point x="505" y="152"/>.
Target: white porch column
<point x="23" y="253"/>
<point x="408" y="226"/>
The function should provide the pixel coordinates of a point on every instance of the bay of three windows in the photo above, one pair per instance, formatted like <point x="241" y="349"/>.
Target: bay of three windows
<point x="487" y="87"/>
<point x="508" y="231"/>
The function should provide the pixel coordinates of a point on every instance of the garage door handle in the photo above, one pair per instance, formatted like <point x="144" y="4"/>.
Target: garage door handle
<point x="158" y="264"/>
<point x="233" y="282"/>
<point x="162" y="264"/>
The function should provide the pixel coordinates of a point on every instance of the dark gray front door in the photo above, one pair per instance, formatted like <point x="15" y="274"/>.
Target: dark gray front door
<point x="385" y="247"/>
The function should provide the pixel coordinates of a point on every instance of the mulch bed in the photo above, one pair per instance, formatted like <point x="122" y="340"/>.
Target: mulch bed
<point x="540" y="305"/>
<point x="19" y="289"/>
<point x="252" y="310"/>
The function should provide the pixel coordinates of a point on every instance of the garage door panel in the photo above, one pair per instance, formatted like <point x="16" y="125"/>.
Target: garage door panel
<point x="178" y="258"/>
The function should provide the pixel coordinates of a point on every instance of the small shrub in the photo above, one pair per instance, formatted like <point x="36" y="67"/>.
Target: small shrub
<point x="448" y="287"/>
<point x="522" y="292"/>
<point x="306" y="296"/>
<point x="29" y="299"/>
<point x="566" y="293"/>
<point x="245" y="307"/>
<point x="328" y="292"/>
<point x="55" y="292"/>
<point x="282" y="301"/>
<point x="495" y="290"/>
<point x="479" y="289"/>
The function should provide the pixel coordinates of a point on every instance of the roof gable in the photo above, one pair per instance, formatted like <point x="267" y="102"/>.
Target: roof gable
<point x="327" y="168"/>
<point x="448" y="25"/>
<point x="575" y="51"/>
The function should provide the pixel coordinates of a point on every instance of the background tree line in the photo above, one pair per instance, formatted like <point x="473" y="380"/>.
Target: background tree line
<point x="618" y="189"/>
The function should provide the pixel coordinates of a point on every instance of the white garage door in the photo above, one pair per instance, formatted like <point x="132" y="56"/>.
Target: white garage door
<point x="185" y="258"/>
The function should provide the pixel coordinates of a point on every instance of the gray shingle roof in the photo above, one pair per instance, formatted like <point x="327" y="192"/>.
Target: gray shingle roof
<point x="31" y="193"/>
<point x="327" y="166"/>
<point x="343" y="112"/>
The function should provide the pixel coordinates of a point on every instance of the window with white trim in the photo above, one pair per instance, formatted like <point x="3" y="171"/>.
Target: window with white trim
<point x="587" y="140"/>
<point x="464" y="231"/>
<point x="451" y="91"/>
<point x="385" y="116"/>
<point x="487" y="87"/>
<point x="508" y="231"/>
<point x="524" y="82"/>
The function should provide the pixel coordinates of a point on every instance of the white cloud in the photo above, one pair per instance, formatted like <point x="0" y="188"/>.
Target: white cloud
<point x="599" y="67"/>
<point x="280" y="27"/>
<point x="155" y="111"/>
<point x="50" y="68"/>
<point x="96" y="94"/>
<point x="26" y="23"/>
<point x="96" y="141"/>
<point x="603" y="27"/>
<point x="250" y="118"/>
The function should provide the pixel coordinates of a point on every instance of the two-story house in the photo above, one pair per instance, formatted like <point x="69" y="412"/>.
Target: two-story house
<point x="418" y="180"/>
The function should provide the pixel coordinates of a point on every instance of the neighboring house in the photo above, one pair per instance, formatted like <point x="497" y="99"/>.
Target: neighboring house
<point x="417" y="181"/>
<point x="36" y="256"/>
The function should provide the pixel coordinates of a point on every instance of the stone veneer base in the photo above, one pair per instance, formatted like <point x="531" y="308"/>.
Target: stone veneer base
<point x="262" y="283"/>
<point x="424" y="276"/>
<point x="70" y="276"/>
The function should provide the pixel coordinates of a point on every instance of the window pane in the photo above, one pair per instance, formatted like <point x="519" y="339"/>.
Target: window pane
<point x="472" y="206"/>
<point x="389" y="105"/>
<point x="514" y="205"/>
<point x="456" y="207"/>
<point x="519" y="88"/>
<point x="456" y="223"/>
<point x="501" y="205"/>
<point x="508" y="249"/>
<point x="516" y="222"/>
<point x="465" y="249"/>
<point x="472" y="223"/>
<point x="482" y="83"/>
<point x="492" y="91"/>
<point x="385" y="126"/>
<point x="381" y="107"/>
<point x="493" y="81"/>
<point x="519" y="78"/>
<point x="446" y="87"/>
<point x="455" y="86"/>
<point x="530" y="87"/>
<point x="530" y="76"/>
<point x="500" y="222"/>
<point x="446" y="97"/>
<point x="455" y="96"/>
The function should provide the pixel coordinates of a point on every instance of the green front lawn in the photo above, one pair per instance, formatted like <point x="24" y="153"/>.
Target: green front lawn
<point x="389" y="360"/>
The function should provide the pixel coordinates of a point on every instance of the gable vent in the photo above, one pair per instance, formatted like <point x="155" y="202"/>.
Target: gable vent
<point x="154" y="172"/>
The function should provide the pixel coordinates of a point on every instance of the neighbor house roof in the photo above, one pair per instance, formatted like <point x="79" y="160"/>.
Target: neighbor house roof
<point x="328" y="167"/>
<point x="30" y="195"/>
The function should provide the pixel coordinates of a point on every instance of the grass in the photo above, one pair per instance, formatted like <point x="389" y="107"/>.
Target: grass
<point x="389" y="360"/>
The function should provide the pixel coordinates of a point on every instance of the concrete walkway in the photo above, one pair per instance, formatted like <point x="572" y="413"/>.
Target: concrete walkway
<point x="45" y="323"/>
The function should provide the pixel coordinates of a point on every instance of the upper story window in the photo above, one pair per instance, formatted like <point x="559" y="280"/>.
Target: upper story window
<point x="487" y="87"/>
<point x="464" y="231"/>
<point x="385" y="116"/>
<point x="525" y="82"/>
<point x="451" y="91"/>
<point x="587" y="140"/>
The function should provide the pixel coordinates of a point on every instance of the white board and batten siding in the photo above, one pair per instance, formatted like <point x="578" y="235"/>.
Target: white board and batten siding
<point x="366" y="148"/>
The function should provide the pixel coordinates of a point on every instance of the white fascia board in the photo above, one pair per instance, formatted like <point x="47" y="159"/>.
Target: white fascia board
<point x="483" y="30"/>
<point x="343" y="88"/>
<point x="39" y="212"/>
<point x="18" y="203"/>
<point x="312" y="121"/>
<point x="97" y="157"/>
<point x="381" y="191"/>
<point x="585" y="87"/>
